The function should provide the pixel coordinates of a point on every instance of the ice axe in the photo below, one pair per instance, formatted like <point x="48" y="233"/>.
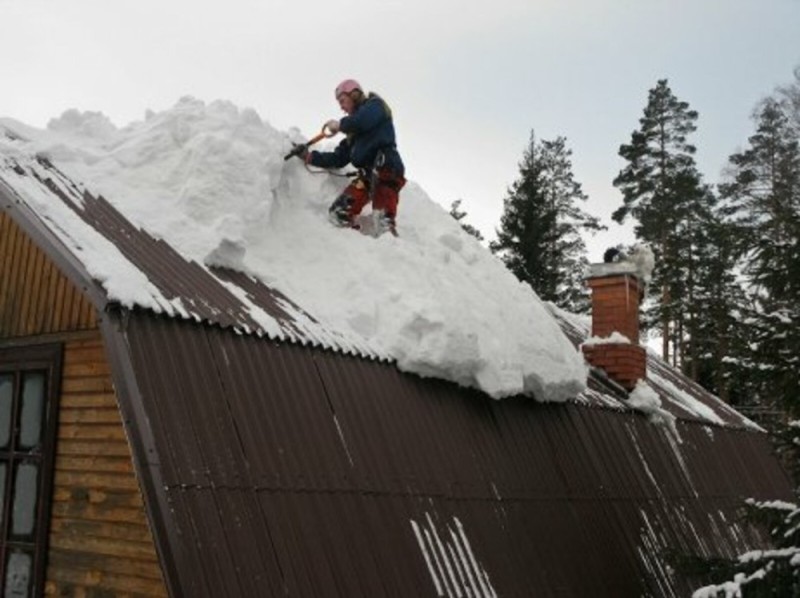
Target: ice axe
<point x="299" y="148"/>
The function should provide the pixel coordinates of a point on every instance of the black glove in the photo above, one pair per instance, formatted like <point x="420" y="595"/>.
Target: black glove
<point x="300" y="150"/>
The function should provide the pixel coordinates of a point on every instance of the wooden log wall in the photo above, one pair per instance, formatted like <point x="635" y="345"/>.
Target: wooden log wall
<point x="35" y="297"/>
<point x="100" y="543"/>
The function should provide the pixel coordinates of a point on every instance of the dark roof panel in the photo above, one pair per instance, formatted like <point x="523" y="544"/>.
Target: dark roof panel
<point x="312" y="473"/>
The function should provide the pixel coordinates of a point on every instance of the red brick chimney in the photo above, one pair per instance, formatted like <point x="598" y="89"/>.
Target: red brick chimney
<point x="616" y="293"/>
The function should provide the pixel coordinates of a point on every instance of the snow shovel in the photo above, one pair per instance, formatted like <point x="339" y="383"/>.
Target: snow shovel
<point x="299" y="148"/>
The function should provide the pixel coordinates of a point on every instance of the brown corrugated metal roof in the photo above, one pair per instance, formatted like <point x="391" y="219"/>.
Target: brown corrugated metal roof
<point x="295" y="471"/>
<point x="276" y="469"/>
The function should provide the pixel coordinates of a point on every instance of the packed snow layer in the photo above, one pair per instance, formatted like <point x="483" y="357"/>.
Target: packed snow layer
<point x="210" y="179"/>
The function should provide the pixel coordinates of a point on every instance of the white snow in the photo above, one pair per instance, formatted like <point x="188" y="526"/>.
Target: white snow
<point x="643" y="398"/>
<point x="684" y="399"/>
<point x="639" y="261"/>
<point x="210" y="179"/>
<point x="451" y="562"/>
<point x="614" y="338"/>
<point x="780" y="505"/>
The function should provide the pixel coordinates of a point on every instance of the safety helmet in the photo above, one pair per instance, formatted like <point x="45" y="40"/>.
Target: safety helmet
<point x="347" y="86"/>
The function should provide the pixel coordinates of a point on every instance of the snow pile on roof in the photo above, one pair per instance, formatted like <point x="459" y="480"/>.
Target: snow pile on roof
<point x="210" y="179"/>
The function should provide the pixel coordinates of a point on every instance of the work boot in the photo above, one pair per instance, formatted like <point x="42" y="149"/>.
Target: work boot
<point x="384" y="223"/>
<point x="339" y="212"/>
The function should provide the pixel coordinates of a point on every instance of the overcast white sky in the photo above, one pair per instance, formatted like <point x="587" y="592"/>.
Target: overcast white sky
<point x="467" y="85"/>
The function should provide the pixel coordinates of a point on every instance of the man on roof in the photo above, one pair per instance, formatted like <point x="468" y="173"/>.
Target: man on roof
<point x="371" y="147"/>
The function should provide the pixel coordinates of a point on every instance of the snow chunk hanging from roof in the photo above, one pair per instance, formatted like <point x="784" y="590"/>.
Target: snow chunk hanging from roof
<point x="210" y="180"/>
<point x="645" y="399"/>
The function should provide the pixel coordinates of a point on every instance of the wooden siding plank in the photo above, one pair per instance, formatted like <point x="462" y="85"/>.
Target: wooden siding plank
<point x="85" y="479"/>
<point x="58" y="304"/>
<point x="107" y="499"/>
<point x="6" y="258"/>
<point x="135" y="533"/>
<point x="96" y="580"/>
<point x="91" y="432"/>
<point x="73" y="509"/>
<point x="42" y="302"/>
<point x="89" y="318"/>
<point x="88" y="401"/>
<point x="86" y="369"/>
<point x="146" y="569"/>
<point x="94" y="463"/>
<point x="23" y="285"/>
<point x="33" y="281"/>
<point x="68" y="446"/>
<point x="77" y="308"/>
<point x="87" y="353"/>
<point x="87" y="385"/>
<point x="91" y="416"/>
<point x="9" y="313"/>
<point x="66" y="306"/>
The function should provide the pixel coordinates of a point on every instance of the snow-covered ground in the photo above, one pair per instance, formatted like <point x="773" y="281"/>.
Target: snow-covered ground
<point x="210" y="179"/>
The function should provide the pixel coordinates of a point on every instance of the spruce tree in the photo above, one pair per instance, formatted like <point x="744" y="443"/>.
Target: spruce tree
<point x="539" y="238"/>
<point x="716" y="352"/>
<point x="459" y="215"/>
<point x="761" y="230"/>
<point x="789" y="98"/>
<point x="663" y="191"/>
<point x="763" y="197"/>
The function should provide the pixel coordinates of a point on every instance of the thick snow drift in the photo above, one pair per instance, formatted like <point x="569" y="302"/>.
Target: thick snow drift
<point x="211" y="180"/>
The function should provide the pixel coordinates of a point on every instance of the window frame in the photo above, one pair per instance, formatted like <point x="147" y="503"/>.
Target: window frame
<point x="16" y="361"/>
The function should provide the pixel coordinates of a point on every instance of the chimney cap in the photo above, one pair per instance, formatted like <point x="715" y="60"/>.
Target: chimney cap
<point x="612" y="269"/>
<point x="639" y="262"/>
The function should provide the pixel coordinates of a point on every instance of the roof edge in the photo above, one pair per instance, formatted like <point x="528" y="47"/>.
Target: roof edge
<point x="32" y="225"/>
<point x="141" y="439"/>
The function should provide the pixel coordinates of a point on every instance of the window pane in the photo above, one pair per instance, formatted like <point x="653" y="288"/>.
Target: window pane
<point x="18" y="574"/>
<point x="32" y="407"/>
<point x="25" y="489"/>
<point x="6" y="400"/>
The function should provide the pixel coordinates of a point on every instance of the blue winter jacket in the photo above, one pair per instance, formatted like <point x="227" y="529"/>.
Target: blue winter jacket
<point x="369" y="130"/>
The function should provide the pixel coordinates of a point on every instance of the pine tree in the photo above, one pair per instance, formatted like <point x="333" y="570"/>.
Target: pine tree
<point x="539" y="238"/>
<point x="662" y="190"/>
<point x="764" y="199"/>
<point x="789" y="98"/>
<point x="459" y="215"/>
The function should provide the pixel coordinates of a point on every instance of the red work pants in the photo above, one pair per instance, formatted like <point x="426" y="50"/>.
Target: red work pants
<point x="384" y="196"/>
